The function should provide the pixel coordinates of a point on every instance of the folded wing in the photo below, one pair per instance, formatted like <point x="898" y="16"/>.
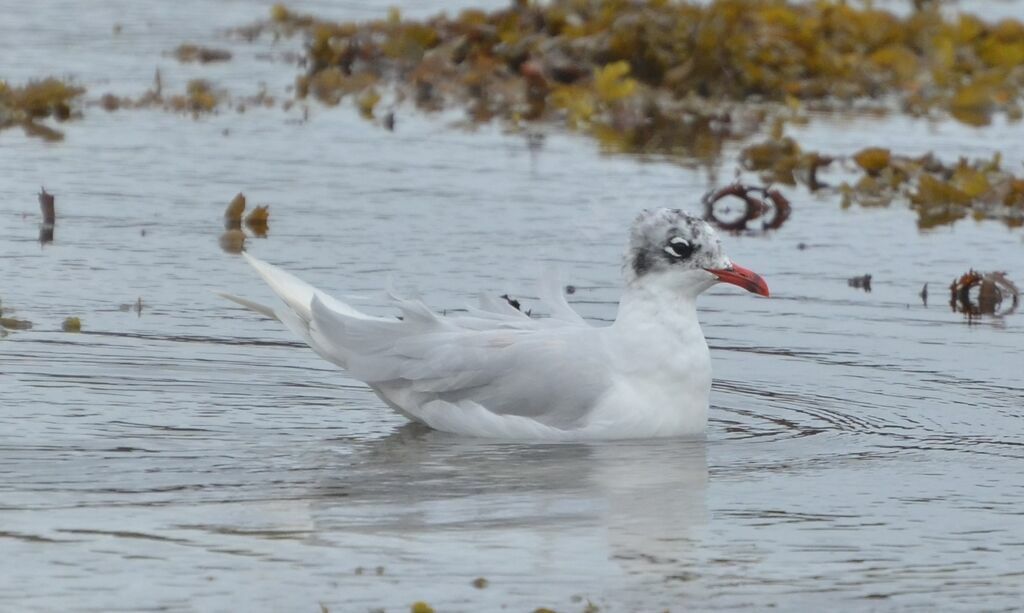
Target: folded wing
<point x="493" y="362"/>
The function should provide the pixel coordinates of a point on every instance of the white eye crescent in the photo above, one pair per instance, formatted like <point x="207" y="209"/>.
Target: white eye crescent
<point x="678" y="247"/>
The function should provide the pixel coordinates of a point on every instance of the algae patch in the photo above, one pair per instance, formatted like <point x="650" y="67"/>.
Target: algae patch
<point x="606" y="65"/>
<point x="188" y="53"/>
<point x="940" y="193"/>
<point x="975" y="294"/>
<point x="27" y="105"/>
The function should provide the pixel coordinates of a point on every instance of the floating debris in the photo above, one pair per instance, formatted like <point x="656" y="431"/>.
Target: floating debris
<point x="421" y="607"/>
<point x="110" y="102"/>
<point x="71" y="324"/>
<point x="233" y="214"/>
<point x="257" y="220"/>
<point x="480" y="583"/>
<point x="940" y="193"/>
<point x="46" y="204"/>
<point x="767" y="205"/>
<point x="25" y="106"/>
<point x="367" y="101"/>
<point x="862" y="282"/>
<point x="200" y="97"/>
<point x="12" y="323"/>
<point x="233" y="241"/>
<point x="975" y="294"/>
<point x="132" y="306"/>
<point x="188" y="53"/>
<point x="873" y="160"/>
<point x="924" y="295"/>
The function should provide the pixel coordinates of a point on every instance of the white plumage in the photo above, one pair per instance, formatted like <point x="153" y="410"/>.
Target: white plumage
<point x="495" y="372"/>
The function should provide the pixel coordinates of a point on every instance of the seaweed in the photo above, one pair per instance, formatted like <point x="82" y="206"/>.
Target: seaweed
<point x="975" y="294"/>
<point x="28" y="104"/>
<point x="188" y="53"/>
<point x="257" y="221"/>
<point x="602" y="65"/>
<point x="232" y="241"/>
<point x="940" y="193"/>
<point x="200" y="97"/>
<point x="763" y="204"/>
<point x="12" y="323"/>
<point x="233" y="214"/>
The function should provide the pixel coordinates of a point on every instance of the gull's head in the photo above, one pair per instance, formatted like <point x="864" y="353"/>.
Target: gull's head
<point x="675" y="250"/>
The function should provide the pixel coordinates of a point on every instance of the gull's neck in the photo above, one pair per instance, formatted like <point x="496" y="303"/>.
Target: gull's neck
<point x="652" y="305"/>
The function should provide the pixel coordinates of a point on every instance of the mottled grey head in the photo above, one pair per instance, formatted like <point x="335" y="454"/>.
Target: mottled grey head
<point x="682" y="251"/>
<point x="668" y="239"/>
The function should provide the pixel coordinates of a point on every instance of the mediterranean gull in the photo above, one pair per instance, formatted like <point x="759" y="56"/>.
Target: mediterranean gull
<point x="497" y="372"/>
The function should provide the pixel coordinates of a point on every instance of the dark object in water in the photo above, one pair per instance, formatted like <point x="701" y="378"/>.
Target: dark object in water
<point x="763" y="203"/>
<point x="46" y="204"/>
<point x="15" y="324"/>
<point x="862" y="282"/>
<point x="71" y="324"/>
<point x="132" y="306"/>
<point x="389" y="122"/>
<point x="975" y="294"/>
<point x="924" y="294"/>
<point x="188" y="53"/>
<point x="257" y="221"/>
<point x="233" y="214"/>
<point x="232" y="241"/>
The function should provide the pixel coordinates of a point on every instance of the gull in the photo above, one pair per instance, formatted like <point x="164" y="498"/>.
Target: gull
<point x="497" y="372"/>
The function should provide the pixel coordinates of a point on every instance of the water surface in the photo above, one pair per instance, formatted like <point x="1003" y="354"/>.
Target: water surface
<point x="864" y="450"/>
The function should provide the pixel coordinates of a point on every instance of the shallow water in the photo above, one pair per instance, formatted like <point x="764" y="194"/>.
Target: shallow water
<point x="864" y="449"/>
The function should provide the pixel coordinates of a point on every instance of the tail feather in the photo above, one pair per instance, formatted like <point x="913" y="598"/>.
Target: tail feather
<point x="295" y="292"/>
<point x="262" y="309"/>
<point x="299" y="296"/>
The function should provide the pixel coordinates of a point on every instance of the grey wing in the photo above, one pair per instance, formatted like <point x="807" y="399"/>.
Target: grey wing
<point x="551" y="373"/>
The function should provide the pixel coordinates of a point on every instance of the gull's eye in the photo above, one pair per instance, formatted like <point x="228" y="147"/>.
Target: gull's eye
<point x="679" y="248"/>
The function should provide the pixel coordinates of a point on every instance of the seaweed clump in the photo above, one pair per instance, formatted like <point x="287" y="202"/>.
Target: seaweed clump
<point x="200" y="97"/>
<point x="26" y="105"/>
<point x="735" y="208"/>
<point x="257" y="221"/>
<point x="975" y="294"/>
<point x="642" y="74"/>
<point x="12" y="323"/>
<point x="189" y="53"/>
<point x="940" y="193"/>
